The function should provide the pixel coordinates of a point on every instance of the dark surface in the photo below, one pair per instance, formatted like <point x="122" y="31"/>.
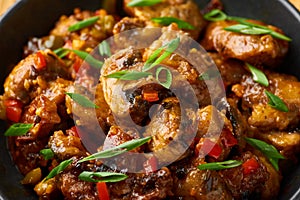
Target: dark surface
<point x="35" y="18"/>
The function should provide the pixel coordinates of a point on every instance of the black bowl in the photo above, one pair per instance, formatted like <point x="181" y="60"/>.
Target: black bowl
<point x="35" y="18"/>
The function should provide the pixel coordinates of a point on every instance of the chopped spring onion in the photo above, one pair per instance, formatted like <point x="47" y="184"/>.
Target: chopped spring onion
<point x="128" y="75"/>
<point x="169" y="20"/>
<point x="18" y="129"/>
<point x="101" y="176"/>
<point x="244" y="27"/>
<point x="84" y="23"/>
<point x="82" y="100"/>
<point x="168" y="82"/>
<point x="258" y="75"/>
<point x="267" y="149"/>
<point x="276" y="102"/>
<point x="138" y="3"/>
<point x="220" y="165"/>
<point x="122" y="148"/>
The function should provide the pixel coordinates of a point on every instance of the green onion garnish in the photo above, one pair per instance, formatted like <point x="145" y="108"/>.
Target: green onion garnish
<point x="244" y="27"/>
<point x="154" y="60"/>
<point x="258" y="75"/>
<point x="89" y="58"/>
<point x="168" y="82"/>
<point x="220" y="165"/>
<point x="267" y="149"/>
<point x="59" y="168"/>
<point x="122" y="148"/>
<point x="47" y="153"/>
<point x="18" y="129"/>
<point x="82" y="100"/>
<point x="61" y="52"/>
<point x="215" y="15"/>
<point x="95" y="177"/>
<point x="128" y="75"/>
<point x="104" y="49"/>
<point x="138" y="3"/>
<point x="276" y="102"/>
<point x="84" y="23"/>
<point x="169" y="20"/>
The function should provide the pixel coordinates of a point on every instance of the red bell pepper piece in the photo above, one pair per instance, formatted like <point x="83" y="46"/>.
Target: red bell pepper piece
<point x="250" y="166"/>
<point x="211" y="148"/>
<point x="150" y="165"/>
<point x="41" y="64"/>
<point x="77" y="64"/>
<point x="74" y="131"/>
<point x="229" y="140"/>
<point x="102" y="191"/>
<point x="150" y="96"/>
<point x="13" y="109"/>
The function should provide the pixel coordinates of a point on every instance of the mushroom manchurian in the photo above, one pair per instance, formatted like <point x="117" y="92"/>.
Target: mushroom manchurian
<point x="238" y="146"/>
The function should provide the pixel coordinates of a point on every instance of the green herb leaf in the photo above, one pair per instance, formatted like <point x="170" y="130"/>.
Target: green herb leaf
<point x="59" y="168"/>
<point x="262" y="29"/>
<point x="244" y="27"/>
<point x="168" y="82"/>
<point x="267" y="149"/>
<point x="138" y="3"/>
<point x="220" y="165"/>
<point x="280" y="36"/>
<point x="102" y="176"/>
<point x="61" y="52"/>
<point x="128" y="75"/>
<point x="117" y="75"/>
<point x="84" y="23"/>
<point x="89" y="58"/>
<point x="47" y="153"/>
<point x="215" y="15"/>
<point x="255" y="31"/>
<point x="276" y="102"/>
<point x="82" y="100"/>
<point x="166" y="21"/>
<point x="122" y="148"/>
<point x="104" y="49"/>
<point x="153" y="60"/>
<point x="18" y="129"/>
<point x="258" y="75"/>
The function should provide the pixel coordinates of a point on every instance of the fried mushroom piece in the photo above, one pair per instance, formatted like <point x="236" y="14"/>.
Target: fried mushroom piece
<point x="73" y="188"/>
<point x="231" y="70"/>
<point x="88" y="37"/>
<point x="188" y="70"/>
<point x="31" y="76"/>
<point x="287" y="143"/>
<point x="128" y="23"/>
<point x="164" y="127"/>
<point x="126" y="162"/>
<point x="26" y="153"/>
<point x="262" y="115"/>
<point x="192" y="183"/>
<point x="154" y="185"/>
<point x="122" y="96"/>
<point x="171" y="131"/>
<point x="42" y="112"/>
<point x="182" y="9"/>
<point x="66" y="146"/>
<point x="255" y="49"/>
<point x="241" y="183"/>
<point x="214" y="132"/>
